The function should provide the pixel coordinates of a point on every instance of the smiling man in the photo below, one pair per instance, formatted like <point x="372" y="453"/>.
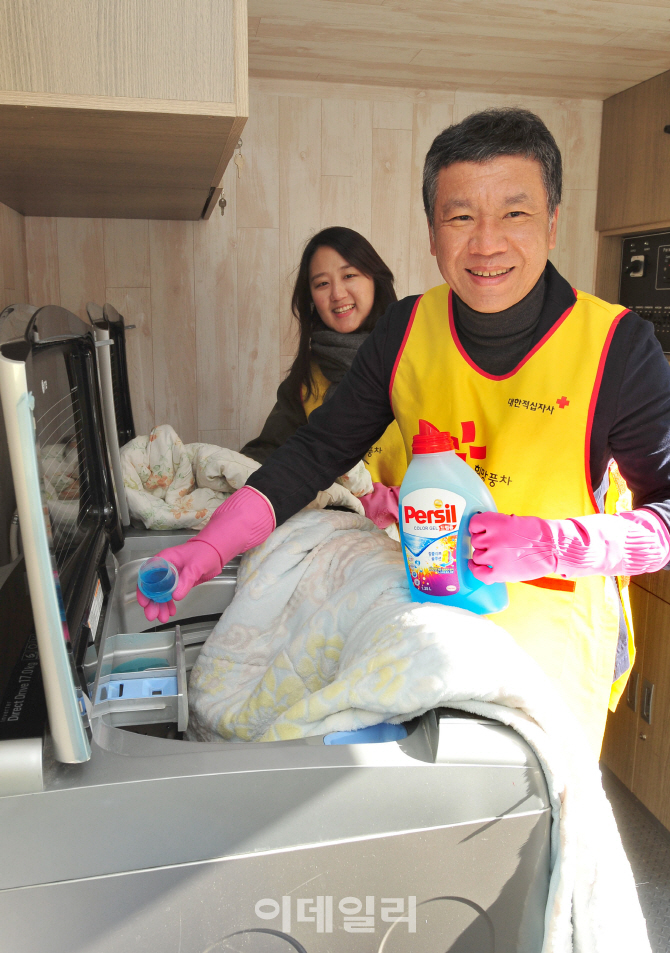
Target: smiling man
<point x="545" y="387"/>
<point x="491" y="229"/>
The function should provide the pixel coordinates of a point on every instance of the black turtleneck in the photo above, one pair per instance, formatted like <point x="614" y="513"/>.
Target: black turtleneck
<point x="498" y="342"/>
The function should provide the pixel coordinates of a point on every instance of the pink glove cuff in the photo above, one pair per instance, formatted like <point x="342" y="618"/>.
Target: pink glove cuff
<point x="624" y="545"/>
<point x="631" y="543"/>
<point x="647" y="543"/>
<point x="243" y="521"/>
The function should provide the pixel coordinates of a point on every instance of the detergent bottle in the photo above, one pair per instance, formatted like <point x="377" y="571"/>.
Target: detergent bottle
<point x="438" y="496"/>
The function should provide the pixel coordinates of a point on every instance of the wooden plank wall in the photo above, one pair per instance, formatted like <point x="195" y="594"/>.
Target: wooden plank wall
<point x="13" y="267"/>
<point x="13" y="288"/>
<point x="211" y="299"/>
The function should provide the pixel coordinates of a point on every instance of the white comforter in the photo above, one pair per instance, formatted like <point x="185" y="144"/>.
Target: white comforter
<point x="321" y="636"/>
<point x="175" y="485"/>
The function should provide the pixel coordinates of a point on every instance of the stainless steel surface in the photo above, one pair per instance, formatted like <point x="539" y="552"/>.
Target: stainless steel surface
<point x="124" y="613"/>
<point x="475" y="885"/>
<point x="20" y="766"/>
<point x="236" y="799"/>
<point x="107" y="393"/>
<point x="182" y="696"/>
<point x="208" y="599"/>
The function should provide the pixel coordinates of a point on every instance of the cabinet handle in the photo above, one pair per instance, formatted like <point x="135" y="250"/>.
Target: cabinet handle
<point x="631" y="690"/>
<point x="643" y="737"/>
<point x="647" y="700"/>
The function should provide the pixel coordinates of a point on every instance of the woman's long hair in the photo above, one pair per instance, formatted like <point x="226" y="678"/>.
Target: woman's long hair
<point x="356" y="251"/>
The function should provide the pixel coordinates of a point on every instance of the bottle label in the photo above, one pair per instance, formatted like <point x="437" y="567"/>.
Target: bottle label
<point x="430" y="520"/>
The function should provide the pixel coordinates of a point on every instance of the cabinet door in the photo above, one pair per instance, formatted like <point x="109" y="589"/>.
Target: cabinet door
<point x="634" y="181"/>
<point x="651" y="774"/>
<point x="619" y="743"/>
<point x="127" y="109"/>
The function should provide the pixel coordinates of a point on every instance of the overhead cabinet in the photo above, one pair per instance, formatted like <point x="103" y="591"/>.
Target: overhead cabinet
<point x="634" y="180"/>
<point x="120" y="108"/>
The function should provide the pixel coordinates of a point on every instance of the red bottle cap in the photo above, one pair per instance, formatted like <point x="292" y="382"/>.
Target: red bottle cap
<point x="431" y="440"/>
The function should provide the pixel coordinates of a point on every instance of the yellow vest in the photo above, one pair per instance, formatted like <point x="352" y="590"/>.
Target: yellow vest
<point x="386" y="461"/>
<point x="527" y="434"/>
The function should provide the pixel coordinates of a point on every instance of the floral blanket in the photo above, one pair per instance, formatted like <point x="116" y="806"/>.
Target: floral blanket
<point x="175" y="485"/>
<point x="321" y="636"/>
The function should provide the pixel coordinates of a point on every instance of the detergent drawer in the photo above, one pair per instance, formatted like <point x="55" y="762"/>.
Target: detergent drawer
<point x="138" y="673"/>
<point x="141" y="679"/>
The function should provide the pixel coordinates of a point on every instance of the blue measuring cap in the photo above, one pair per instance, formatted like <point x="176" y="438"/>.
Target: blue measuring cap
<point x="157" y="579"/>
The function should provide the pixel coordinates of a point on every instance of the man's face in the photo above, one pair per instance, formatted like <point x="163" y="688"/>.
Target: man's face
<point x="492" y="232"/>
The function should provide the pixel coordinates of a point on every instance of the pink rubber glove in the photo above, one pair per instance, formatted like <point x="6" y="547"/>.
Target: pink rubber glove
<point x="244" y="520"/>
<point x="518" y="548"/>
<point x="381" y="506"/>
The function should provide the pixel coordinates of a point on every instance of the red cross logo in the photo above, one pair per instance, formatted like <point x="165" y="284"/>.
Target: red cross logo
<point x="562" y="402"/>
<point x="468" y="435"/>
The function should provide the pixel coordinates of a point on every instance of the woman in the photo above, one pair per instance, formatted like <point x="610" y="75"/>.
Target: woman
<point x="343" y="287"/>
<point x="341" y="290"/>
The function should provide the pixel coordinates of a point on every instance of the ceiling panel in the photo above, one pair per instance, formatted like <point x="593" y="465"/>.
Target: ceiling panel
<point x="584" y="48"/>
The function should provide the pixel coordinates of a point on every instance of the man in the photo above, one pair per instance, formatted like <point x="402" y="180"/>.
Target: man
<point x="542" y="385"/>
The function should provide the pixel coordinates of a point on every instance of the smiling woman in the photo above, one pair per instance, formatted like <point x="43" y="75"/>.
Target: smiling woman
<point x="343" y="295"/>
<point x="342" y="289"/>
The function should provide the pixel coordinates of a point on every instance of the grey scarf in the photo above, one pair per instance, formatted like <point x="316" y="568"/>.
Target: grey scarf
<point x="334" y="352"/>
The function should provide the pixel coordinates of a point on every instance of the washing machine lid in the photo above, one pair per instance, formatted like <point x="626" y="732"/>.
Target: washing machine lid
<point x="108" y="319"/>
<point x="64" y="489"/>
<point x="58" y="350"/>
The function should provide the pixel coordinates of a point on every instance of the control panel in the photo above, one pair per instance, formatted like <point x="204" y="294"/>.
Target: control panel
<point x="645" y="281"/>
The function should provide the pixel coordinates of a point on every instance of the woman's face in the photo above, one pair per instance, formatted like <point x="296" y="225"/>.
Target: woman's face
<point x="342" y="295"/>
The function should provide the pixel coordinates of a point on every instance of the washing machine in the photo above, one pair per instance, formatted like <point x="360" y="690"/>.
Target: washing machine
<point x="118" y="833"/>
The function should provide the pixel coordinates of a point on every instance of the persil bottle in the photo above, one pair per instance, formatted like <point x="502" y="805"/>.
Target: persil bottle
<point x="438" y="496"/>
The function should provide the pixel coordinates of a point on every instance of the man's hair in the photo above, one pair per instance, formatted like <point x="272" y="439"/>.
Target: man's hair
<point x="486" y="135"/>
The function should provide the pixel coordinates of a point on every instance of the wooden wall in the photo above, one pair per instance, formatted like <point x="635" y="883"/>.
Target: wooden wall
<point x="13" y="268"/>
<point x="210" y="299"/>
<point x="13" y="287"/>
